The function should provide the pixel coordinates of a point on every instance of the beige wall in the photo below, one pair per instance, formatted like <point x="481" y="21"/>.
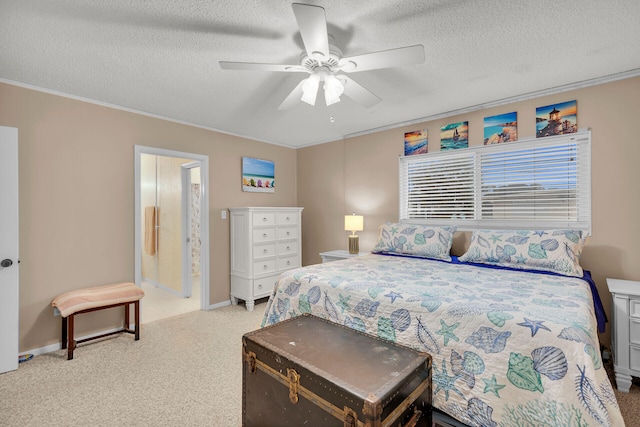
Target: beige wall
<point x="368" y="166"/>
<point x="77" y="202"/>
<point x="77" y="199"/>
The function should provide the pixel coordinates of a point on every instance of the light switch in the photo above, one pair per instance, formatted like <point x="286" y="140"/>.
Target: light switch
<point x="223" y="214"/>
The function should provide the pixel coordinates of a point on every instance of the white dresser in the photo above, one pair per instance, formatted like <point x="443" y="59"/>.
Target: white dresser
<point x="625" y="333"/>
<point x="264" y="243"/>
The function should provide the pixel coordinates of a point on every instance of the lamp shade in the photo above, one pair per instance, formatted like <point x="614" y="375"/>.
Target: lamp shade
<point x="310" y="89"/>
<point x="332" y="90"/>
<point x="353" y="222"/>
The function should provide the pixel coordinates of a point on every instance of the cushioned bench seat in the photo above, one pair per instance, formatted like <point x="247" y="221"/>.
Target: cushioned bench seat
<point x="97" y="298"/>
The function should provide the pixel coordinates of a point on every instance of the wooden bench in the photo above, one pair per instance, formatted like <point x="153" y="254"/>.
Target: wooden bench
<point x="97" y="298"/>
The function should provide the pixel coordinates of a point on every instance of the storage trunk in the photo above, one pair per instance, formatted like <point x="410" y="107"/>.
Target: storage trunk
<point x="307" y="371"/>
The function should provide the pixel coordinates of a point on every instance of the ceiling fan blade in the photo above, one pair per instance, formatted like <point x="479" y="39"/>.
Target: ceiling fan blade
<point x="312" y="23"/>
<point x="293" y="98"/>
<point x="255" y="66"/>
<point x="358" y="93"/>
<point x="383" y="59"/>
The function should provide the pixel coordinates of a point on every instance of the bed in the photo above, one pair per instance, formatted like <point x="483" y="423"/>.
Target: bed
<point x="509" y="346"/>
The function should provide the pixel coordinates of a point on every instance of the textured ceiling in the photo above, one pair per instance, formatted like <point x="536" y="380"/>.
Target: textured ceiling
<point x="161" y="56"/>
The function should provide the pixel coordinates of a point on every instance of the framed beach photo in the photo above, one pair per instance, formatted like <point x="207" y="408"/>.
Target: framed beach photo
<point x="258" y="175"/>
<point x="501" y="128"/>
<point x="416" y="142"/>
<point x="454" y="136"/>
<point x="557" y="119"/>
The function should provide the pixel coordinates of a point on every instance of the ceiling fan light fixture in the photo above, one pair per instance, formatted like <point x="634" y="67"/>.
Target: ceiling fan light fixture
<point x="321" y="59"/>
<point x="332" y="90"/>
<point x="310" y="89"/>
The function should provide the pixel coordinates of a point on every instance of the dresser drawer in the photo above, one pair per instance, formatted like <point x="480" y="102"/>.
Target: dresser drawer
<point x="264" y="251"/>
<point x="266" y="266"/>
<point x="287" y="248"/>
<point x="634" y="357"/>
<point x="634" y="331"/>
<point x="634" y="308"/>
<point x="264" y="285"/>
<point x="263" y="218"/>
<point x="287" y="263"/>
<point x="264" y="235"/>
<point x="287" y="218"/>
<point x="287" y="233"/>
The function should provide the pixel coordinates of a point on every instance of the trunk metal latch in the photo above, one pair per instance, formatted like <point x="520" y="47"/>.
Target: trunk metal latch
<point x="294" y="382"/>
<point x="350" y="417"/>
<point x="251" y="359"/>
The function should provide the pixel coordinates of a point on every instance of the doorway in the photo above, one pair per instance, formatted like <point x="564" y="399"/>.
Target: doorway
<point x="171" y="231"/>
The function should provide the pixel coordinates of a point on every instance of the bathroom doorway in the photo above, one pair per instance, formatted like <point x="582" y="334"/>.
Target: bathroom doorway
<point x="172" y="263"/>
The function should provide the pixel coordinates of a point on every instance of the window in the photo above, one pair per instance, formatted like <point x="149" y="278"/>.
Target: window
<point x="533" y="184"/>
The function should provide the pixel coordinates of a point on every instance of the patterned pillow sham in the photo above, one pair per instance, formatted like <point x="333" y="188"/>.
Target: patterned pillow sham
<point x="415" y="240"/>
<point x="557" y="251"/>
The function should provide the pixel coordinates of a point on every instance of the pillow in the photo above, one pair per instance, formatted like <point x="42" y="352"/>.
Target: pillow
<point x="416" y="240"/>
<point x="557" y="251"/>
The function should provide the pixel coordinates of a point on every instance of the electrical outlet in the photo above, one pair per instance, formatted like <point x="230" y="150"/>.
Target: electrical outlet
<point x="223" y="214"/>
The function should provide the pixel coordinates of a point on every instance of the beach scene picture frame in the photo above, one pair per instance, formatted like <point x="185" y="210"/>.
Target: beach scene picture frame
<point x="416" y="142"/>
<point x="454" y="136"/>
<point x="501" y="128"/>
<point x="557" y="119"/>
<point x="258" y="176"/>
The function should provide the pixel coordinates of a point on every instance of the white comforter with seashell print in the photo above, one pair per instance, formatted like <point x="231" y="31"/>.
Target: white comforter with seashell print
<point x="508" y="347"/>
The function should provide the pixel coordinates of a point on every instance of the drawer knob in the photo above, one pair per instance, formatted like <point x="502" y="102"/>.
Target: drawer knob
<point x="264" y="218"/>
<point x="288" y="262"/>
<point x="259" y="286"/>
<point x="264" y="234"/>
<point x="288" y="233"/>
<point x="288" y="248"/>
<point x="264" y="251"/>
<point x="287" y="218"/>
<point x="265" y="267"/>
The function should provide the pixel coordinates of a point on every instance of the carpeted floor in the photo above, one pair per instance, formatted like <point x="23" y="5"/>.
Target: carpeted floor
<point x="629" y="402"/>
<point x="185" y="370"/>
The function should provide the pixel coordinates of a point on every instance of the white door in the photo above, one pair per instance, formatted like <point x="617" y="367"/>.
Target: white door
<point x="9" y="346"/>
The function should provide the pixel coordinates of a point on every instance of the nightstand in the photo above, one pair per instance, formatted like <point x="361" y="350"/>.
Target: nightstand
<point x="625" y="334"/>
<point x="339" y="254"/>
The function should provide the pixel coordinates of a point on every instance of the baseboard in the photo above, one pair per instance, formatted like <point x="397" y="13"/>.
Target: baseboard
<point x="219" y="305"/>
<point x="163" y="287"/>
<point x="58" y="346"/>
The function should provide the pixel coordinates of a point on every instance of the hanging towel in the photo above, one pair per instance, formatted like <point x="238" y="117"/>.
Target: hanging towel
<point x="150" y="230"/>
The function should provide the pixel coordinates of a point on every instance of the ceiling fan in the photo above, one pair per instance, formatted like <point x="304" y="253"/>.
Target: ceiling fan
<point x="324" y="62"/>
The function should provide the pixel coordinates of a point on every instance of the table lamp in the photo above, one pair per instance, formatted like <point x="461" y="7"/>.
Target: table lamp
<point x="353" y="223"/>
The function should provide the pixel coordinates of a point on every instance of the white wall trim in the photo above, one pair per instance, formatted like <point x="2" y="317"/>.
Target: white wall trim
<point x="504" y="101"/>
<point x="220" y="304"/>
<point x="537" y="94"/>
<point x="58" y="346"/>
<point x="130" y="110"/>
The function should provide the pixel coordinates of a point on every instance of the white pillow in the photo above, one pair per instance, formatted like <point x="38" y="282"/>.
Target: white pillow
<point x="416" y="240"/>
<point x="557" y="251"/>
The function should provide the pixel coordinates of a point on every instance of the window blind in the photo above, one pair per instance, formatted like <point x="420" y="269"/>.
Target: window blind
<point x="531" y="184"/>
